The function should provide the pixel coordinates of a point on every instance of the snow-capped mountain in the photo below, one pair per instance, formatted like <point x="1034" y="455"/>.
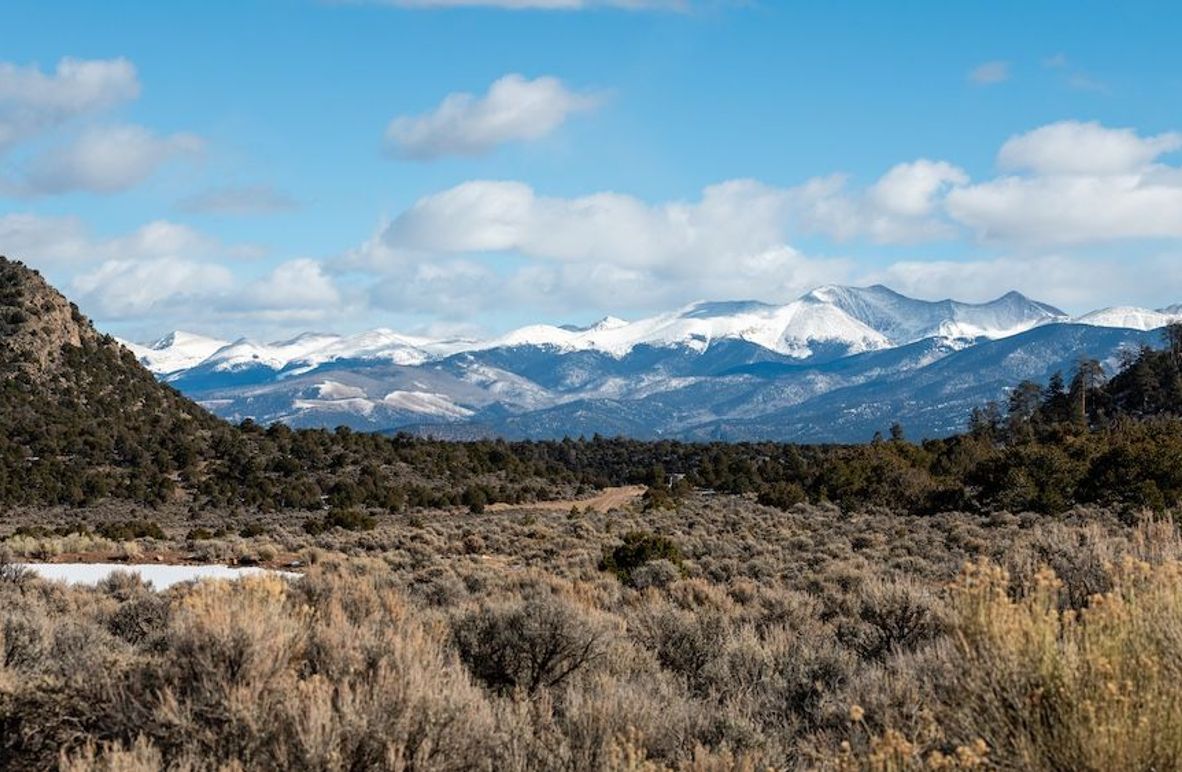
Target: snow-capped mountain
<point x="176" y="351"/>
<point x="845" y="319"/>
<point x="745" y="368"/>
<point x="1132" y="318"/>
<point x="904" y="320"/>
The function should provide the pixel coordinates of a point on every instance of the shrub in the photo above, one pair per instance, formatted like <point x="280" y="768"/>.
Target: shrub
<point x="527" y="645"/>
<point x="252" y="529"/>
<point x="783" y="495"/>
<point x="639" y="547"/>
<point x="346" y="519"/>
<point x="131" y="529"/>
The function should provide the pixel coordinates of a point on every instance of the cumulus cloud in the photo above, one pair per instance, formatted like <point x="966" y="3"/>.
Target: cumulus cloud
<point x="292" y="288"/>
<point x="104" y="159"/>
<point x="605" y="250"/>
<point x="1071" y="147"/>
<point x="732" y="218"/>
<point x="990" y="73"/>
<point x="174" y="286"/>
<point x="52" y="143"/>
<point x="514" y="109"/>
<point x="119" y="289"/>
<point x="57" y="242"/>
<point x="239" y="200"/>
<point x="903" y="206"/>
<point x="486" y="243"/>
<point x="32" y="101"/>
<point x="167" y="270"/>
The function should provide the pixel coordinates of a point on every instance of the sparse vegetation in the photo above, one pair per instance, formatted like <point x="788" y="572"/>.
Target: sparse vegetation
<point x="948" y="637"/>
<point x="1008" y="598"/>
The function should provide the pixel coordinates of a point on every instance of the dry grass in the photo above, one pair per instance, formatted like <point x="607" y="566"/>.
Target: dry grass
<point x="813" y="638"/>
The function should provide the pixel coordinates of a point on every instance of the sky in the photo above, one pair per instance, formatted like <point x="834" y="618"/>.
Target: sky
<point x="264" y="167"/>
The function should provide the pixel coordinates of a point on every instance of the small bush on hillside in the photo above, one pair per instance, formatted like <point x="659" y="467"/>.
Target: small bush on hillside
<point x="640" y="547"/>
<point x="346" y="519"/>
<point x="131" y="529"/>
<point x="252" y="529"/>
<point x="530" y="645"/>
<point x="783" y="495"/>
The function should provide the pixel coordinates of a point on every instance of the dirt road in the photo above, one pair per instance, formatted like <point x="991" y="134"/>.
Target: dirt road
<point x="608" y="498"/>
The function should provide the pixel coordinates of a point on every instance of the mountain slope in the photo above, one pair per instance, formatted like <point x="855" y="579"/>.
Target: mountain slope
<point x="904" y="320"/>
<point x="81" y="418"/>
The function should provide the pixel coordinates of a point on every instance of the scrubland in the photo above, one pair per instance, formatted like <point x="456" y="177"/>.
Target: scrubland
<point x="715" y="634"/>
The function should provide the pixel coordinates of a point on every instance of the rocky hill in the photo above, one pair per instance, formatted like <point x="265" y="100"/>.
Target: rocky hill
<point x="82" y="419"/>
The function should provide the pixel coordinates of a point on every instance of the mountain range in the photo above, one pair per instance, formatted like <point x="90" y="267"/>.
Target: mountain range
<point x="835" y="365"/>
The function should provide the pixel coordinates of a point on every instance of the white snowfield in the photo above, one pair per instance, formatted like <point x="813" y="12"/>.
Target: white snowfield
<point x="161" y="576"/>
<point x="176" y="351"/>
<point x="1132" y="318"/>
<point x="857" y="319"/>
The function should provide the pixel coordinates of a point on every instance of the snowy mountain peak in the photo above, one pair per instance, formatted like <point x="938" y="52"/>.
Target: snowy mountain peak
<point x="834" y="320"/>
<point x="176" y="351"/>
<point x="1132" y="318"/>
<point x="903" y="320"/>
<point x="188" y="340"/>
<point x="607" y="323"/>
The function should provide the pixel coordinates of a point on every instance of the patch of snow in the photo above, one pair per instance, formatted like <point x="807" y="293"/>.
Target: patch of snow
<point x="426" y="403"/>
<point x="161" y="576"/>
<point x="1132" y="318"/>
<point x="334" y="390"/>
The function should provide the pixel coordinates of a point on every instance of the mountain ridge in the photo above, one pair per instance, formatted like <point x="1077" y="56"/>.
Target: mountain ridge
<point x="858" y="318"/>
<point x="719" y="364"/>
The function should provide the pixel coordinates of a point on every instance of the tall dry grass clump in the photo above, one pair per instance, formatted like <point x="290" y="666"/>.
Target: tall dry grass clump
<point x="1029" y="683"/>
<point x="329" y="673"/>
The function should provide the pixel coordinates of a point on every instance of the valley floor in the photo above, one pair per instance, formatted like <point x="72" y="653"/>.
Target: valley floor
<point x="717" y="635"/>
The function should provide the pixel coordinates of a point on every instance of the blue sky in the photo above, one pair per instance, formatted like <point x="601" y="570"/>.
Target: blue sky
<point x="263" y="168"/>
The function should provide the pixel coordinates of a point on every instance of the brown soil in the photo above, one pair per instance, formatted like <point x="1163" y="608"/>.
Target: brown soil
<point x="608" y="499"/>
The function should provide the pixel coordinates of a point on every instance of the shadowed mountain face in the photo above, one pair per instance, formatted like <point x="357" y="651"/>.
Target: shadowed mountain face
<point x="836" y="365"/>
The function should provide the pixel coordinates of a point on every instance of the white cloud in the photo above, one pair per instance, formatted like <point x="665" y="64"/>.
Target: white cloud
<point x="50" y="242"/>
<point x="51" y="142"/>
<point x="990" y="73"/>
<point x="448" y="289"/>
<point x="604" y="251"/>
<point x="901" y="207"/>
<point x="104" y="160"/>
<point x="239" y="200"/>
<point x="175" y="287"/>
<point x="1077" y="183"/>
<point x="295" y="287"/>
<point x="514" y="109"/>
<point x="1070" y="209"/>
<point x="732" y="218"/>
<point x="910" y="189"/>
<point x="32" y="101"/>
<point x="166" y="270"/>
<point x="44" y="242"/>
<point x="119" y="289"/>
<point x="1071" y="147"/>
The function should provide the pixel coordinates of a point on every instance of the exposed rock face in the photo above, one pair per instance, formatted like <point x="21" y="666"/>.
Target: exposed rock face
<point x="37" y="323"/>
